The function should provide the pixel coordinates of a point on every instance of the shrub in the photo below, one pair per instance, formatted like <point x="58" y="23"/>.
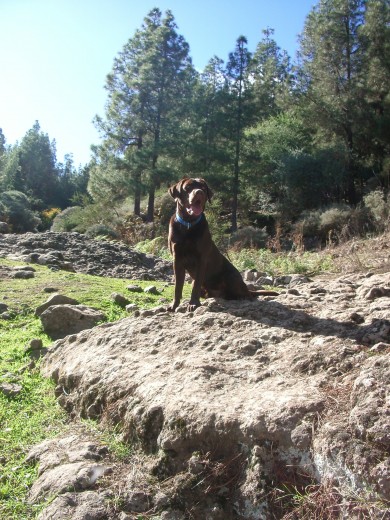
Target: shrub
<point x="15" y="210"/>
<point x="101" y="230"/>
<point x="166" y="209"/>
<point x="309" y="223"/>
<point x="248" y="237"/>
<point x="334" y="219"/>
<point x="133" y="230"/>
<point x="157" y="246"/>
<point x="67" y="220"/>
<point x="378" y="207"/>
<point x="47" y="217"/>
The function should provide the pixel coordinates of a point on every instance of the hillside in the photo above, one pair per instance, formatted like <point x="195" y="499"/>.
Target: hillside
<point x="271" y="409"/>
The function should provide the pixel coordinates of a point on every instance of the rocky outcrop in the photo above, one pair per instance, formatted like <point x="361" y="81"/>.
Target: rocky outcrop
<point x="239" y="399"/>
<point x="76" y="252"/>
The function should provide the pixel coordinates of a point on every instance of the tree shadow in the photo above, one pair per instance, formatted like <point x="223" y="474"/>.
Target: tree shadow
<point x="276" y="314"/>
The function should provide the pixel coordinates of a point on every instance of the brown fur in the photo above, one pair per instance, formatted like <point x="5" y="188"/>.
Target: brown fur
<point x="194" y="251"/>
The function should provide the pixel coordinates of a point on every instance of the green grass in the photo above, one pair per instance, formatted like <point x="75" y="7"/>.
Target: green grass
<point x="34" y="415"/>
<point x="264" y="260"/>
<point x="277" y="264"/>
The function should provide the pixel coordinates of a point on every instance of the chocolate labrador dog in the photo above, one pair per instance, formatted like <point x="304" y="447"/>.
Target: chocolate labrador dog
<point x="194" y="251"/>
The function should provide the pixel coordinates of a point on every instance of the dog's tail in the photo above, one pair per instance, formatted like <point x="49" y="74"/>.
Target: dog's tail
<point x="263" y="293"/>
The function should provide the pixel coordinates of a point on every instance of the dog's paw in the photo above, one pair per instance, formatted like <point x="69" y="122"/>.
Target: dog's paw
<point x="193" y="305"/>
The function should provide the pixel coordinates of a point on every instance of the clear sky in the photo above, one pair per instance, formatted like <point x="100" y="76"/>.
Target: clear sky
<point x="55" y="54"/>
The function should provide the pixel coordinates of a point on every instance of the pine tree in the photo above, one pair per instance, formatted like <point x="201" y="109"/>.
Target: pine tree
<point x="331" y="73"/>
<point x="376" y="38"/>
<point x="240" y="89"/>
<point x="271" y="70"/>
<point x="38" y="174"/>
<point x="147" y="91"/>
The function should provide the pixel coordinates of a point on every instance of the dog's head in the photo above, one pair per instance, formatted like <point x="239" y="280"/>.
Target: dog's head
<point x="191" y="195"/>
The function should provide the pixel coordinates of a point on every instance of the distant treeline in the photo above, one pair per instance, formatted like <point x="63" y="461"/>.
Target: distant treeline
<point x="271" y="135"/>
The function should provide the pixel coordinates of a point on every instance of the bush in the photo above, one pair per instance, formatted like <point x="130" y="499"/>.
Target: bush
<point x="248" y="237"/>
<point x="67" y="220"/>
<point x="378" y="207"/>
<point x="133" y="230"/>
<point x="15" y="210"/>
<point x="335" y="223"/>
<point x="309" y="223"/>
<point x="101" y="230"/>
<point x="334" y="219"/>
<point x="157" y="246"/>
<point x="166" y="209"/>
<point x="47" y="217"/>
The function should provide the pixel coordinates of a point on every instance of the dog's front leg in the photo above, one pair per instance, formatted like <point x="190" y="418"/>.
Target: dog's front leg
<point x="197" y="287"/>
<point x="180" y="274"/>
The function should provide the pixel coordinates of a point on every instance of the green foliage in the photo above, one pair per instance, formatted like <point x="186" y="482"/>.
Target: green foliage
<point x="264" y="260"/>
<point x="87" y="218"/>
<point x="38" y="175"/>
<point x="101" y="230"/>
<point x="15" y="210"/>
<point x="157" y="246"/>
<point x="47" y="216"/>
<point x="166" y="208"/>
<point x="148" y="91"/>
<point x="67" y="220"/>
<point x="379" y="207"/>
<point x="26" y="419"/>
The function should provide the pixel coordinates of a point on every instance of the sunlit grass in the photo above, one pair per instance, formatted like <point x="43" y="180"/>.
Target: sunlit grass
<point x="33" y="414"/>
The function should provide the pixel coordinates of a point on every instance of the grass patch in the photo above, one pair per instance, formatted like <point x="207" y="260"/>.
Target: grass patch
<point x="33" y="414"/>
<point x="277" y="264"/>
<point x="263" y="260"/>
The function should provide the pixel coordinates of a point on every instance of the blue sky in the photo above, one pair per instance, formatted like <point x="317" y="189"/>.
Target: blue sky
<point x="55" y="54"/>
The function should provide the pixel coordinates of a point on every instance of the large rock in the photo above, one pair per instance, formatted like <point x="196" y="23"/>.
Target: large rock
<point x="77" y="252"/>
<point x="243" y="398"/>
<point x="62" y="320"/>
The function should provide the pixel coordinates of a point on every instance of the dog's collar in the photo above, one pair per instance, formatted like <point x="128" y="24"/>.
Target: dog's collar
<point x="187" y="224"/>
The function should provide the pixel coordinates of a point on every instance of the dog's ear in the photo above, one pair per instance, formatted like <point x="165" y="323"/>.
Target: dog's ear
<point x="209" y="192"/>
<point x="176" y="190"/>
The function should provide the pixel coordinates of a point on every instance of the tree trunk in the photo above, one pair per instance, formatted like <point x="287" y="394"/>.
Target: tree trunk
<point x="137" y="195"/>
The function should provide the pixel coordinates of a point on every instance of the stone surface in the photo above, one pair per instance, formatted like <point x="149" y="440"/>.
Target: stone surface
<point x="241" y="396"/>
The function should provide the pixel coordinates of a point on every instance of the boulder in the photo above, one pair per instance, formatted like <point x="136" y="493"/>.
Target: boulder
<point x="59" y="321"/>
<point x="56" y="299"/>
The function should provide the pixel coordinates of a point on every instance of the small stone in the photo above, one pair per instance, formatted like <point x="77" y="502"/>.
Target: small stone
<point x="120" y="300"/>
<point x="11" y="389"/>
<point x="356" y="318"/>
<point x="134" y="288"/>
<point x="377" y="292"/>
<point x="56" y="299"/>
<point x="294" y="292"/>
<point x="35" y="344"/>
<point x="151" y="289"/>
<point x="23" y="275"/>
<point x="132" y="307"/>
